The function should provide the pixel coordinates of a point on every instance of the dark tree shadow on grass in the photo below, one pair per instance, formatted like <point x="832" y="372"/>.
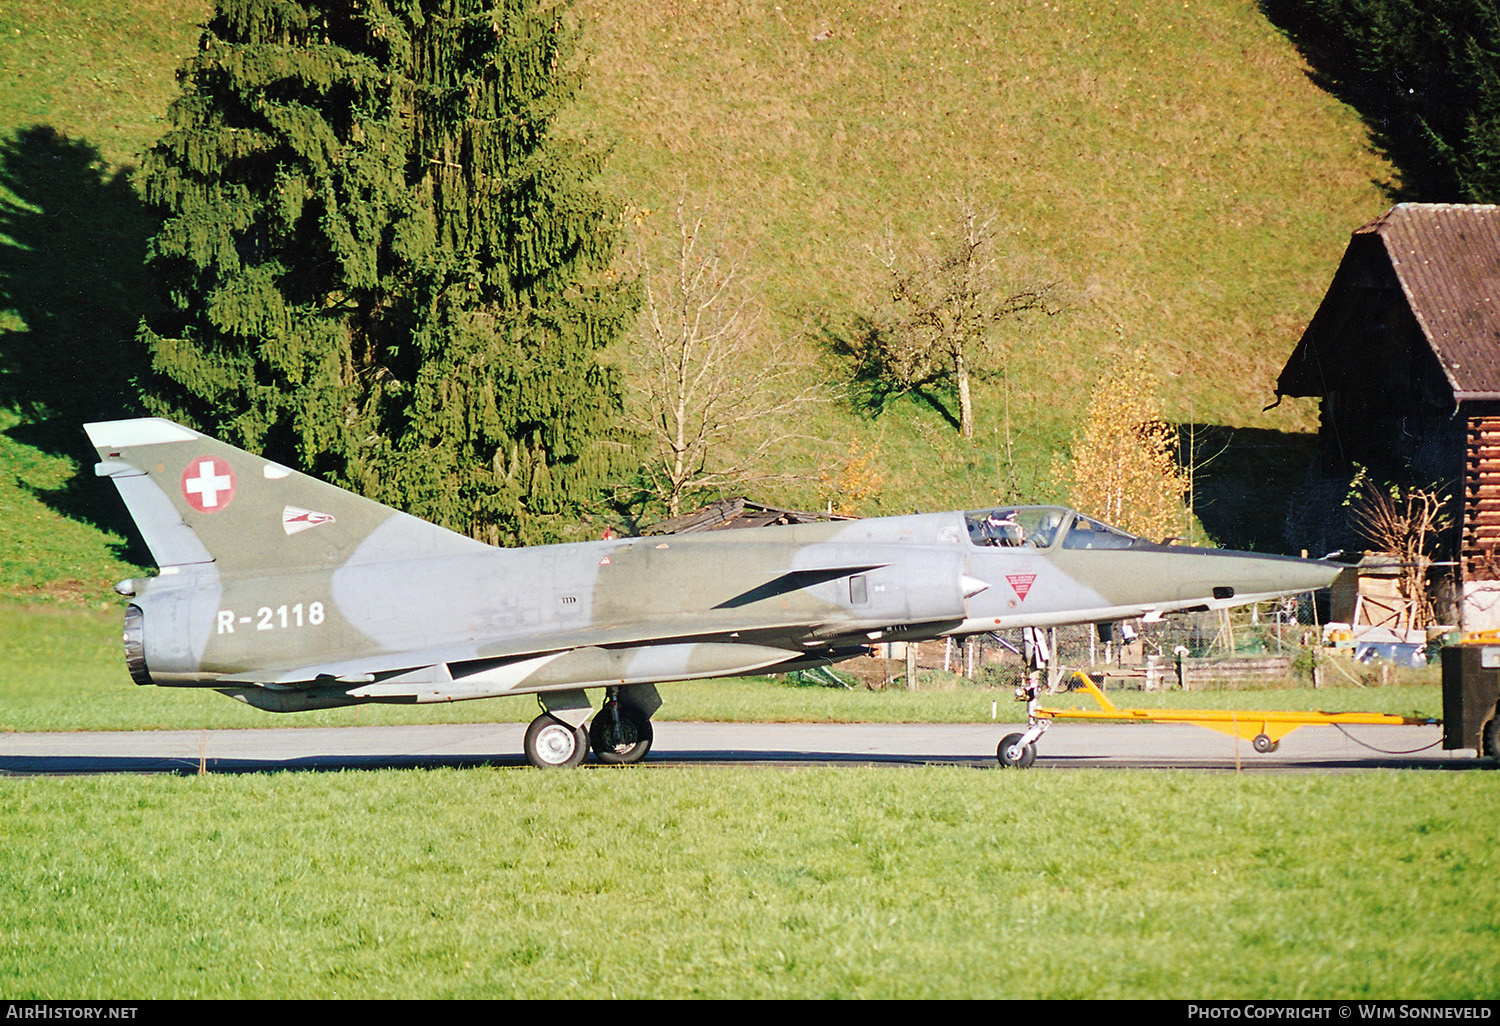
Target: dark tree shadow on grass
<point x="1411" y="76"/>
<point x="870" y="388"/>
<point x="73" y="237"/>
<point x="1246" y="481"/>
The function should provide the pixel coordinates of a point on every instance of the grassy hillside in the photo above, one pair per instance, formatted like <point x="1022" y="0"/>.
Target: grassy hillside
<point x="1168" y="163"/>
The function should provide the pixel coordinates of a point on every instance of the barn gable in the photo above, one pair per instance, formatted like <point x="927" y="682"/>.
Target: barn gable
<point x="1404" y="353"/>
<point x="1414" y="306"/>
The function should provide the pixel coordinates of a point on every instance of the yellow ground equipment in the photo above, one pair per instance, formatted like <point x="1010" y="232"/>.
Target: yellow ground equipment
<point x="1264" y="729"/>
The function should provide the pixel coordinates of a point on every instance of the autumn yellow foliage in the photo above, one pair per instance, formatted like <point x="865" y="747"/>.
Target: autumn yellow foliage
<point x="855" y="478"/>
<point x="1122" y="467"/>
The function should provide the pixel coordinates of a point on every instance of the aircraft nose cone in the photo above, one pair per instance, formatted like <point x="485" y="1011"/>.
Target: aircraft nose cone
<point x="1256" y="574"/>
<point x="1324" y="574"/>
<point x="1306" y="575"/>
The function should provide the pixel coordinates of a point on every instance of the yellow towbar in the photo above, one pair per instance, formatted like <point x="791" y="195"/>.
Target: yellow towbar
<point x="1264" y="729"/>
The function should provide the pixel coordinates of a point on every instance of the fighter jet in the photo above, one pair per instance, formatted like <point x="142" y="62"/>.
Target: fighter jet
<point x="289" y="593"/>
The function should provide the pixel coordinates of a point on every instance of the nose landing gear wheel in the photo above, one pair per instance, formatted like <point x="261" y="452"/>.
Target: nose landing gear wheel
<point x="1014" y="754"/>
<point x="620" y="735"/>
<point x="552" y="743"/>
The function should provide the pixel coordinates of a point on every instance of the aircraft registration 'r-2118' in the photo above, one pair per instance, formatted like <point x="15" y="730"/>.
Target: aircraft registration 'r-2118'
<point x="289" y="593"/>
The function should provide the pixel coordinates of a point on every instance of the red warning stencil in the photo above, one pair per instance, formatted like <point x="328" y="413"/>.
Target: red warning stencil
<point x="1021" y="583"/>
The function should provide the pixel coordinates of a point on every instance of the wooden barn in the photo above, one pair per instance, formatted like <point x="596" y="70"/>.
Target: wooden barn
<point x="1404" y="354"/>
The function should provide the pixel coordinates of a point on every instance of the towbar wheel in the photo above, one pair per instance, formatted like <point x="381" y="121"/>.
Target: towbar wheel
<point x="1015" y="751"/>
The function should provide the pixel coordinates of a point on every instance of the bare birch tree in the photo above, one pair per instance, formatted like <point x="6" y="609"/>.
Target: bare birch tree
<point x="718" y="393"/>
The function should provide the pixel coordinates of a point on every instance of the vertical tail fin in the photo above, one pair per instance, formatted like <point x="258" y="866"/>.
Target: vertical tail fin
<point x="198" y="500"/>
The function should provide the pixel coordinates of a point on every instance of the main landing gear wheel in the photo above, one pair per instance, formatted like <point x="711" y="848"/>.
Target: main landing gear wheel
<point x="620" y="735"/>
<point x="1262" y="743"/>
<point x="552" y="743"/>
<point x="1012" y="753"/>
<point x="1492" y="738"/>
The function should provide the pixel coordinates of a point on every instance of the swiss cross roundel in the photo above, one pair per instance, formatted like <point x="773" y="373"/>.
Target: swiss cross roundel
<point x="208" y="484"/>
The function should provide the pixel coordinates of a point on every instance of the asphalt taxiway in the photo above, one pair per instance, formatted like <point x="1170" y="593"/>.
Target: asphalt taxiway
<point x="1320" y="749"/>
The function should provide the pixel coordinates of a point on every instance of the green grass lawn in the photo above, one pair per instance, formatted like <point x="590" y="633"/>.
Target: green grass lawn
<point x="759" y="883"/>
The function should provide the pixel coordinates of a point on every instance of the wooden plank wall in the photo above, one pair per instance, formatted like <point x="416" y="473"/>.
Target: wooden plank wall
<point x="1481" y="528"/>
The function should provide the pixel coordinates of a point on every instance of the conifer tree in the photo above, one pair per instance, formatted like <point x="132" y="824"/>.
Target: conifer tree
<point x="383" y="265"/>
<point x="1426" y="76"/>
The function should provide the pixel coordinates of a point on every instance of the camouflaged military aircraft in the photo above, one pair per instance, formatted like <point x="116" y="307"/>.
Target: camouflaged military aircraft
<point x="289" y="593"/>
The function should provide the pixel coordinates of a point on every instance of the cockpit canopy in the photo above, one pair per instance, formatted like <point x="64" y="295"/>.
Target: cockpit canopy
<point x="1043" y="526"/>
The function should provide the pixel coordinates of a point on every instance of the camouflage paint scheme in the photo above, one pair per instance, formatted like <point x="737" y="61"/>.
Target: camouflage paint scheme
<point x="289" y="593"/>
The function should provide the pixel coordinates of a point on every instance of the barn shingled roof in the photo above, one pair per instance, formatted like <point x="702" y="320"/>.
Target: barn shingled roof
<point x="1446" y="258"/>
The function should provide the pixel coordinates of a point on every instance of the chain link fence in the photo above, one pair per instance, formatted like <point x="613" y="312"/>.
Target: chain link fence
<point x="1261" y="643"/>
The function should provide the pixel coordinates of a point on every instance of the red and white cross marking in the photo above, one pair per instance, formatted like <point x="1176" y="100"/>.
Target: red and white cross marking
<point x="208" y="484"/>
